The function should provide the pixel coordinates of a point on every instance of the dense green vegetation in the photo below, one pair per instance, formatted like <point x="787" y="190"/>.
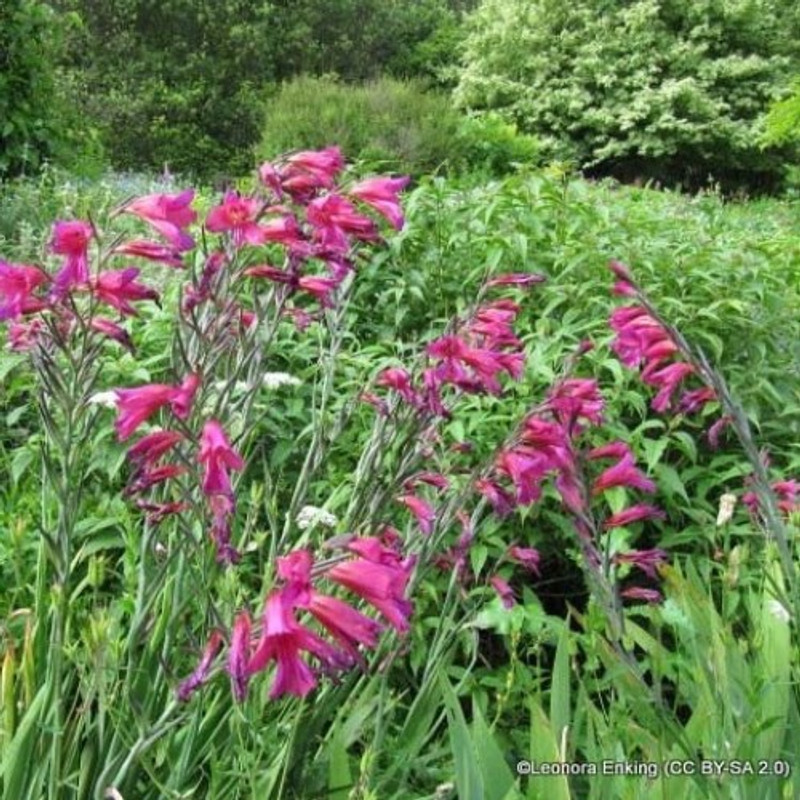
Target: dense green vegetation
<point x="667" y="642"/>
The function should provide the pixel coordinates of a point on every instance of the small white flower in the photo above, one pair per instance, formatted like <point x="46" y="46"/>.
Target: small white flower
<point x="274" y="380"/>
<point x="726" y="505"/>
<point x="311" y="515"/>
<point x="778" y="610"/>
<point x="108" y="399"/>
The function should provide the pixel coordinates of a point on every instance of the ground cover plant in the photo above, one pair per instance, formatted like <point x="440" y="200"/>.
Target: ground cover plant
<point x="541" y="522"/>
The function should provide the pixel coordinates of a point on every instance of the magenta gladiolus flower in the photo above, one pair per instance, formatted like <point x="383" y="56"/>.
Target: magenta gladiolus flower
<point x="421" y="509"/>
<point x="636" y="513"/>
<point x="528" y="557"/>
<point x="399" y="380"/>
<point x="110" y="329"/>
<point x="577" y="399"/>
<point x="382" y="585"/>
<point x="616" y="450"/>
<point x="638" y="593"/>
<point x="200" y="675"/>
<point x="152" y="251"/>
<point x="347" y="625"/>
<point x="283" y="639"/>
<point x="646" y="560"/>
<point x="501" y="501"/>
<point x="17" y="283"/>
<point x="153" y="476"/>
<point x="117" y="287"/>
<point x="504" y="590"/>
<point x="183" y="398"/>
<point x="623" y="473"/>
<point x="218" y="457"/>
<point x="381" y="194"/>
<point x="334" y="218"/>
<point x="320" y="288"/>
<point x="152" y="446"/>
<point x="324" y="164"/>
<point x="239" y="655"/>
<point x="135" y="406"/>
<point x="71" y="239"/>
<point x="169" y="214"/>
<point x="523" y="279"/>
<point x="237" y="215"/>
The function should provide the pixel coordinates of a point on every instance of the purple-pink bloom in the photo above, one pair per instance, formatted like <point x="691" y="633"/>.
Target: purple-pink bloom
<point x="504" y="590"/>
<point x="421" y="509"/>
<point x="237" y="215"/>
<point x="152" y="251"/>
<point x="239" y="655"/>
<point x="117" y="287"/>
<point x="71" y="239"/>
<point x="636" y="513"/>
<point x="381" y="194"/>
<point x="218" y="457"/>
<point x="17" y="284"/>
<point x="169" y="214"/>
<point x="111" y="330"/>
<point x="524" y="279"/>
<point x="623" y="473"/>
<point x="528" y="557"/>
<point x="638" y="593"/>
<point x="200" y="675"/>
<point x="646" y="560"/>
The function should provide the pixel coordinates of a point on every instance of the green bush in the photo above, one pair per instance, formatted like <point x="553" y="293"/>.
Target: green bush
<point x="669" y="90"/>
<point x="488" y="144"/>
<point x="29" y="132"/>
<point x="390" y="124"/>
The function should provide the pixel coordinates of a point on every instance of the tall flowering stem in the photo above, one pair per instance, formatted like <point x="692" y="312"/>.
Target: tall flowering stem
<point x="733" y="413"/>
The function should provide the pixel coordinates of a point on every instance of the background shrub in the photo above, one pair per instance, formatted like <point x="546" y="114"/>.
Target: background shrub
<point x="673" y="90"/>
<point x="387" y="122"/>
<point x="28" y="129"/>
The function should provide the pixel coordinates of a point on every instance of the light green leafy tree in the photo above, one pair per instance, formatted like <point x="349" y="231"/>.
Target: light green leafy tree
<point x="674" y="89"/>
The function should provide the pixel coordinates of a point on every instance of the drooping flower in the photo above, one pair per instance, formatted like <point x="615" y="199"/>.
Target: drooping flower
<point x="646" y="560"/>
<point x="348" y="626"/>
<point x="636" y="513"/>
<point x="380" y="579"/>
<point x="639" y="593"/>
<point x="576" y="399"/>
<point x="218" y="458"/>
<point x="382" y="195"/>
<point x="623" y="473"/>
<point x="504" y="591"/>
<point x="528" y="557"/>
<point x="239" y="655"/>
<point x="152" y="251"/>
<point x="135" y="406"/>
<point x="71" y="239"/>
<point x="17" y="284"/>
<point x="237" y="215"/>
<point x="111" y="330"/>
<point x="283" y="640"/>
<point x="200" y="675"/>
<point x="152" y="446"/>
<point x="335" y="219"/>
<point x="523" y="279"/>
<point x="421" y="509"/>
<point x="169" y="214"/>
<point x="117" y="287"/>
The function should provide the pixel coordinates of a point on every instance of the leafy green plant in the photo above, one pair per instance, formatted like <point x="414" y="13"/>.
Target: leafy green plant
<point x="642" y="90"/>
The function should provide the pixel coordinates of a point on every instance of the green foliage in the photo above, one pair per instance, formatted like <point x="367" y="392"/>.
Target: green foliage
<point x="394" y="125"/>
<point x="361" y="40"/>
<point x="29" y="129"/>
<point x="673" y="91"/>
<point x="184" y="95"/>
<point x="783" y="120"/>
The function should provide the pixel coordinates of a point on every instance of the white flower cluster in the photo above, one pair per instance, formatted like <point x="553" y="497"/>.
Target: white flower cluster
<point x="107" y="399"/>
<point x="274" y="380"/>
<point x="311" y="515"/>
